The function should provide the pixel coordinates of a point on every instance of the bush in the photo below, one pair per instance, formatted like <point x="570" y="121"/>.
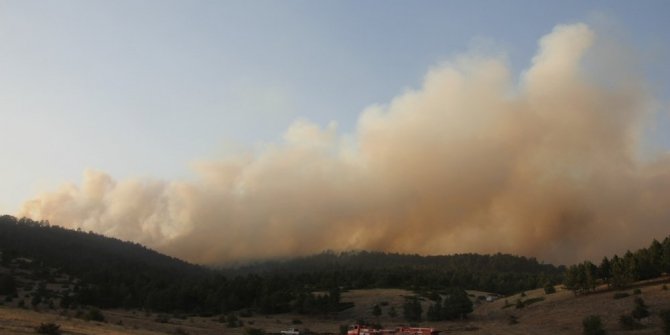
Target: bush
<point x="344" y="329"/>
<point x="392" y="313"/>
<point x="593" y="325"/>
<point x="253" y="331"/>
<point x="664" y="287"/>
<point x="549" y="289"/>
<point x="620" y="295"/>
<point x="637" y="291"/>
<point x="519" y="304"/>
<point x="296" y="322"/>
<point x="665" y="316"/>
<point x="94" y="314"/>
<point x="640" y="310"/>
<point x="628" y="323"/>
<point x="512" y="320"/>
<point x="532" y="301"/>
<point x="180" y="331"/>
<point x="48" y="328"/>
<point x="412" y="309"/>
<point x="232" y="321"/>
<point x="162" y="318"/>
<point x="7" y="284"/>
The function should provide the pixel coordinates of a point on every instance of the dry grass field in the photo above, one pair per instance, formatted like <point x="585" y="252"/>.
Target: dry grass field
<point x="559" y="313"/>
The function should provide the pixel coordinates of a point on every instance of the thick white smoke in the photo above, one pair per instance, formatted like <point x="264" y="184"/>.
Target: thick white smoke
<point x="473" y="161"/>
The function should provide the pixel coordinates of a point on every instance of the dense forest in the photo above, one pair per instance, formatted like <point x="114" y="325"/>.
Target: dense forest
<point x="620" y="272"/>
<point x="110" y="273"/>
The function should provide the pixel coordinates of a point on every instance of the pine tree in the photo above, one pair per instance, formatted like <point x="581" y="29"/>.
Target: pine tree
<point x="605" y="270"/>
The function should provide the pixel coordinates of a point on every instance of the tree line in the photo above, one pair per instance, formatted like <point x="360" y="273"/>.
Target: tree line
<point x="110" y="273"/>
<point x="619" y="272"/>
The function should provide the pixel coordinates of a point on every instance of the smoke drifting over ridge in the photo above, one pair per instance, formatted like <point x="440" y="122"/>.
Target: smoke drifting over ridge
<point x="470" y="162"/>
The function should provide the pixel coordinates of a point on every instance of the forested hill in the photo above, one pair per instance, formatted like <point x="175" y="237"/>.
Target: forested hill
<point x="371" y="260"/>
<point x="83" y="253"/>
<point x="110" y="273"/>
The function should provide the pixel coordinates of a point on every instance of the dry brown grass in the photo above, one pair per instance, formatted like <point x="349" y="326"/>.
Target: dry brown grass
<point x="559" y="313"/>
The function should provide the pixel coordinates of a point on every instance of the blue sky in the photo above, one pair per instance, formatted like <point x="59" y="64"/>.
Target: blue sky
<point x="144" y="88"/>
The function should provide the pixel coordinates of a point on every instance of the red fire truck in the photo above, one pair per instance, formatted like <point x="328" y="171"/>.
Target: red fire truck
<point x="365" y="330"/>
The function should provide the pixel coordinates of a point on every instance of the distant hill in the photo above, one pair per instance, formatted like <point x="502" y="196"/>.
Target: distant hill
<point x="113" y="273"/>
<point x="80" y="252"/>
<point x="375" y="260"/>
<point x="500" y="273"/>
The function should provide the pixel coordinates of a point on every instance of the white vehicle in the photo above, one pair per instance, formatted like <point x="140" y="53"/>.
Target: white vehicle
<point x="292" y="331"/>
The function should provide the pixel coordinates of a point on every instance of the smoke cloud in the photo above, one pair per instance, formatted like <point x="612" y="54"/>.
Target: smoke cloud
<point x="475" y="160"/>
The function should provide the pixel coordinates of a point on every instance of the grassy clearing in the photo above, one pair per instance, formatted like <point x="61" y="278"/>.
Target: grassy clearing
<point x="558" y="313"/>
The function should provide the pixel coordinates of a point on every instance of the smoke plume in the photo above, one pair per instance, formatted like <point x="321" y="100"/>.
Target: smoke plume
<point x="547" y="164"/>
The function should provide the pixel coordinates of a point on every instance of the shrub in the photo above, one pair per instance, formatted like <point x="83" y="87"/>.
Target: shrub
<point x="665" y="316"/>
<point x="344" y="329"/>
<point x="180" y="331"/>
<point x="296" y="322"/>
<point x="593" y="325"/>
<point x="637" y="291"/>
<point x="232" y="321"/>
<point x="519" y="304"/>
<point x="628" y="323"/>
<point x="512" y="320"/>
<point x="253" y="331"/>
<point x="549" y="289"/>
<point x="392" y="313"/>
<point x="640" y="310"/>
<point x="162" y="318"/>
<point x="48" y="328"/>
<point x="664" y="287"/>
<point x="94" y="314"/>
<point x="532" y="301"/>
<point x="620" y="295"/>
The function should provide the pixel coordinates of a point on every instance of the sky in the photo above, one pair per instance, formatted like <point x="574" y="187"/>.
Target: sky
<point x="101" y="101"/>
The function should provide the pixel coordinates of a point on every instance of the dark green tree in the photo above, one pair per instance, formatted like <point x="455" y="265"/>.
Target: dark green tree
<point x="456" y="305"/>
<point x="7" y="284"/>
<point x="621" y="276"/>
<point x="549" y="288"/>
<point x="434" y="312"/>
<point x="605" y="270"/>
<point x="376" y="311"/>
<point x="392" y="312"/>
<point x="665" y="317"/>
<point x="412" y="309"/>
<point x="641" y="310"/>
<point x="592" y="325"/>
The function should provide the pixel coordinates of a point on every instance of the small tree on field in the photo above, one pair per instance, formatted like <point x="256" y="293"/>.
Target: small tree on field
<point x="549" y="289"/>
<point x="593" y="325"/>
<point x="412" y="309"/>
<point x="665" y="316"/>
<point x="392" y="312"/>
<point x="640" y="311"/>
<point x="48" y="328"/>
<point x="376" y="311"/>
